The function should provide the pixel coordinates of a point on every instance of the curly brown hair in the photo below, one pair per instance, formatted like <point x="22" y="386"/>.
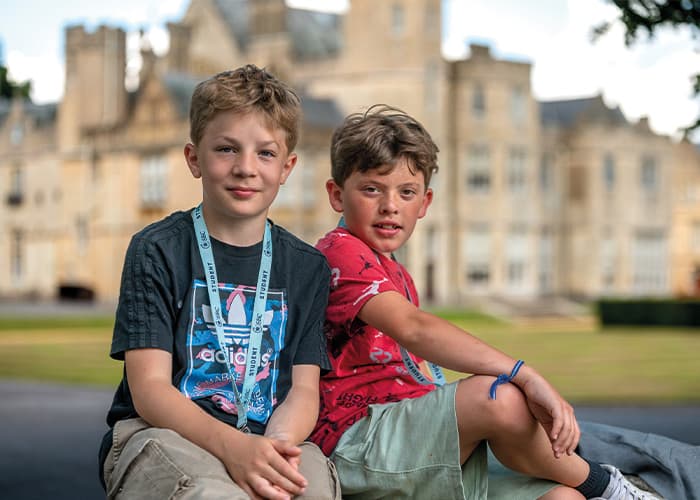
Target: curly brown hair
<point x="379" y="138"/>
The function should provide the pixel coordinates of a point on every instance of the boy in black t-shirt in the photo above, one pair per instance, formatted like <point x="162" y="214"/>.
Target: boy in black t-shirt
<point x="220" y="320"/>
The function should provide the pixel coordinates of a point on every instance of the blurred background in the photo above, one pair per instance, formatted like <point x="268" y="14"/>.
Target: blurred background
<point x="565" y="228"/>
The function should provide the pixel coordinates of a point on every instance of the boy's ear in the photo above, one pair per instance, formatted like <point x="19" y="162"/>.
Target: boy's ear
<point x="288" y="167"/>
<point x="427" y="200"/>
<point x="192" y="160"/>
<point x="335" y="195"/>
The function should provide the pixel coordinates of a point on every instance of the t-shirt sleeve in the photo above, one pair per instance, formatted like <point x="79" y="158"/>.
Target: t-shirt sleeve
<point x="312" y="347"/>
<point x="144" y="318"/>
<point x="356" y="277"/>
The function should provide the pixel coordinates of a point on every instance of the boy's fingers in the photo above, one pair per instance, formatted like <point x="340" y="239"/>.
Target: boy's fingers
<point x="281" y="473"/>
<point x="284" y="448"/>
<point x="265" y="490"/>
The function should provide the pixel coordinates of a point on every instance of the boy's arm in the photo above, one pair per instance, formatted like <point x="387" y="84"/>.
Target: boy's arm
<point x="294" y="419"/>
<point x="447" y="345"/>
<point x="256" y="463"/>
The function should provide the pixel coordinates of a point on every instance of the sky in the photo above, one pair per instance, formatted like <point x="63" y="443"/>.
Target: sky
<point x="651" y="78"/>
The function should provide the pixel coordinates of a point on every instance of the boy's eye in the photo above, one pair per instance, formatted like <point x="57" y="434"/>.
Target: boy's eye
<point x="371" y="189"/>
<point x="267" y="154"/>
<point x="226" y="149"/>
<point x="408" y="193"/>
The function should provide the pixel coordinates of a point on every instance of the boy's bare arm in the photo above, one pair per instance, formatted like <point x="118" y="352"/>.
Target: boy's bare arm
<point x="447" y="345"/>
<point x="253" y="461"/>
<point x="295" y="418"/>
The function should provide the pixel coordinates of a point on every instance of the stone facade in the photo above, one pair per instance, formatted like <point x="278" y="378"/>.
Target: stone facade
<point x="533" y="199"/>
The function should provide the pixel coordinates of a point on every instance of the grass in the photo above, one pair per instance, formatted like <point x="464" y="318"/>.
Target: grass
<point x="587" y="364"/>
<point x="66" y="350"/>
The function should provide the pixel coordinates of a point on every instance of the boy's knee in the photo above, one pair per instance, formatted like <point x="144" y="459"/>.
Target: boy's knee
<point x="320" y="472"/>
<point x="508" y="411"/>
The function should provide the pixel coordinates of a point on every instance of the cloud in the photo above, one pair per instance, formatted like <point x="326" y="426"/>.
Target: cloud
<point x="649" y="79"/>
<point x="46" y="73"/>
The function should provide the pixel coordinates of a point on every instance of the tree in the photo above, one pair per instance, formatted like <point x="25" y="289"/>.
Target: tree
<point x="647" y="16"/>
<point x="9" y="89"/>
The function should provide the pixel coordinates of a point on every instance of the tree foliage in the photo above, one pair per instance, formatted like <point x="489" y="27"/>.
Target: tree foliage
<point x="641" y="17"/>
<point x="9" y="88"/>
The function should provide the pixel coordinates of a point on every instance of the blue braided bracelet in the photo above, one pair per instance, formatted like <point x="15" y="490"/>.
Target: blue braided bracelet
<point x="504" y="379"/>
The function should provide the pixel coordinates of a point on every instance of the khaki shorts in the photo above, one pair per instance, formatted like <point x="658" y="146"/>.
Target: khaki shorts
<point x="410" y="450"/>
<point x="146" y="463"/>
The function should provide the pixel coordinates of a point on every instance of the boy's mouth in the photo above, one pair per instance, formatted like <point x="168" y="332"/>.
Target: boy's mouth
<point x="241" y="191"/>
<point x="387" y="226"/>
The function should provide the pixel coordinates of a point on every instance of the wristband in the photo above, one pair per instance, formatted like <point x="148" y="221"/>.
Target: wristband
<point x="504" y="379"/>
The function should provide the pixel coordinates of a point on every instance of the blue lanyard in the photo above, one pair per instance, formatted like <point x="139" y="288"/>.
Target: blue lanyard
<point x="411" y="366"/>
<point x="257" y="324"/>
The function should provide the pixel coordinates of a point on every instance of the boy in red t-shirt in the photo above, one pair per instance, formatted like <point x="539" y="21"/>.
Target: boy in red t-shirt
<point x="392" y="429"/>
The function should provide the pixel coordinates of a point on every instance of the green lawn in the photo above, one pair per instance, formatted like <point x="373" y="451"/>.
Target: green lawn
<point x="588" y="365"/>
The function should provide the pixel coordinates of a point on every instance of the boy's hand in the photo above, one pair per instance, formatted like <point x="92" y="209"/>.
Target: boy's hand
<point x="553" y="412"/>
<point x="266" y="468"/>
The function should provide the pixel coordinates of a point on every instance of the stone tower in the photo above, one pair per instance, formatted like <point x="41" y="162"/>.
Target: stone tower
<point x="95" y="67"/>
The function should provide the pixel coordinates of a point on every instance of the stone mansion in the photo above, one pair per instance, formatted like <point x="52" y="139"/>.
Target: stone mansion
<point x="532" y="199"/>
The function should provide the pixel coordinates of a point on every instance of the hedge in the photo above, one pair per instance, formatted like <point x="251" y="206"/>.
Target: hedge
<point x="666" y="312"/>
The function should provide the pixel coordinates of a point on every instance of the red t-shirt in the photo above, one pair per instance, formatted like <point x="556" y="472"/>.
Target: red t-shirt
<point x="367" y="367"/>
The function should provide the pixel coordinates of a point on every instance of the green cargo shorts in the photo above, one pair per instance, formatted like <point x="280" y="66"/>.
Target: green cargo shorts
<point x="410" y="450"/>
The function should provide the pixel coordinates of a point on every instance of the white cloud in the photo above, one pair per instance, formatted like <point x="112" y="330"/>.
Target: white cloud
<point x="648" y="79"/>
<point x="46" y="73"/>
<point x="320" y="5"/>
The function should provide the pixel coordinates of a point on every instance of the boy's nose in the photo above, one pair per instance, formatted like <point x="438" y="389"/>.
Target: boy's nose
<point x="244" y="165"/>
<point x="389" y="205"/>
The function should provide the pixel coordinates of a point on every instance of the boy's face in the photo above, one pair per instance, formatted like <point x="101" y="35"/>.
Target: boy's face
<point x="381" y="209"/>
<point x="242" y="163"/>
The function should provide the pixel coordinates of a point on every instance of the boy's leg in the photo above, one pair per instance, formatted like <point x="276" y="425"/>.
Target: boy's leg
<point x="514" y="435"/>
<point x="320" y="473"/>
<point x="150" y="463"/>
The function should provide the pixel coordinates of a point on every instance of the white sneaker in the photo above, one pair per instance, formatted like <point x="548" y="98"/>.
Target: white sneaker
<point x="619" y="488"/>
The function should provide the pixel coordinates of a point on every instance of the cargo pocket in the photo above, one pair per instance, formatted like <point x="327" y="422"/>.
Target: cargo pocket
<point x="145" y="472"/>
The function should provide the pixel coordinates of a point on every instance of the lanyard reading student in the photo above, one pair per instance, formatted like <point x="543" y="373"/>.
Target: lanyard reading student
<point x="257" y="324"/>
<point x="411" y="366"/>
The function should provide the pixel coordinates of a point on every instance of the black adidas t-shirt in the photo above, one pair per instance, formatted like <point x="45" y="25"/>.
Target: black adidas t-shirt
<point x="164" y="304"/>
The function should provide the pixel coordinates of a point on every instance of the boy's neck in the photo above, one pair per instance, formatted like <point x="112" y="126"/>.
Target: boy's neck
<point x="240" y="232"/>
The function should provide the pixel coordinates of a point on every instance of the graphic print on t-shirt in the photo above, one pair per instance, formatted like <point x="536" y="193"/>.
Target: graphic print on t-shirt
<point x="207" y="374"/>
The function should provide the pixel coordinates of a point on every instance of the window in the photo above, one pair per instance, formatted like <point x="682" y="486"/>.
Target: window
<point x="154" y="182"/>
<point x="546" y="172"/>
<point x="17" y="255"/>
<point x="478" y="169"/>
<point x="478" y="101"/>
<point x="432" y="15"/>
<point x="516" y="258"/>
<point x="16" y="134"/>
<point x="398" y="20"/>
<point x="607" y="263"/>
<point x="516" y="170"/>
<point x="546" y="266"/>
<point x="431" y="91"/>
<point x="650" y="262"/>
<point x="81" y="228"/>
<point x="609" y="172"/>
<point x="17" y="180"/>
<point x="518" y="106"/>
<point x="649" y="175"/>
<point x="477" y="255"/>
<point x="16" y="193"/>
